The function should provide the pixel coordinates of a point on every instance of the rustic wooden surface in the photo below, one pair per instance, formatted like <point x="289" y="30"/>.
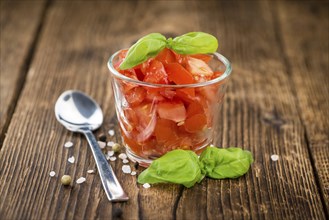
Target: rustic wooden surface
<point x="276" y="103"/>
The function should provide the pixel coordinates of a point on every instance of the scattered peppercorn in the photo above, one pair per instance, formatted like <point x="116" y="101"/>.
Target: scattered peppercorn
<point x="66" y="180"/>
<point x="116" y="147"/>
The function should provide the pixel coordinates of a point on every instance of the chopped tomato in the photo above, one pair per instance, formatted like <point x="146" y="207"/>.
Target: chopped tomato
<point x="194" y="108"/>
<point x="195" y="123"/>
<point x="198" y="67"/>
<point x="204" y="57"/>
<point x="165" y="130"/>
<point x="166" y="56"/>
<point x="174" y="111"/>
<point x="168" y="93"/>
<point x="178" y="74"/>
<point x="135" y="95"/>
<point x="153" y="95"/>
<point x="156" y="73"/>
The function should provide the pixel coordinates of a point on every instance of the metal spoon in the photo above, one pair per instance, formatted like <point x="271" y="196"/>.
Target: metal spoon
<point x="80" y="113"/>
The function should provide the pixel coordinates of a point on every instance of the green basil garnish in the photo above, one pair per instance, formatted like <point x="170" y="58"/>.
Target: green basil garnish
<point x="178" y="166"/>
<point x="151" y="44"/>
<point x="184" y="167"/>
<point x="194" y="43"/>
<point x="222" y="163"/>
<point x="143" y="49"/>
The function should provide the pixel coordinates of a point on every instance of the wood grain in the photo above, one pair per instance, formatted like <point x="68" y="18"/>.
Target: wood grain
<point x="260" y="113"/>
<point x="19" y="24"/>
<point x="306" y="50"/>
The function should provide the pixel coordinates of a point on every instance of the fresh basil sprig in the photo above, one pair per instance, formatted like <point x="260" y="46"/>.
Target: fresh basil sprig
<point x="222" y="163"/>
<point x="151" y="44"/>
<point x="184" y="167"/>
<point x="144" y="48"/>
<point x="193" y="43"/>
<point x="178" y="166"/>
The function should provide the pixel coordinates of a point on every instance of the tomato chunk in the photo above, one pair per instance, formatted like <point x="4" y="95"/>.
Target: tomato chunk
<point x="178" y="74"/>
<point x="174" y="111"/>
<point x="195" y="123"/>
<point x="166" y="56"/>
<point x="165" y="130"/>
<point x="198" y="67"/>
<point x="135" y="95"/>
<point x="156" y="73"/>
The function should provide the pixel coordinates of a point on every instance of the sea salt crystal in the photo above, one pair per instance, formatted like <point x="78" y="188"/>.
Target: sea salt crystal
<point x="110" y="153"/>
<point x="110" y="143"/>
<point x="90" y="171"/>
<point x="123" y="156"/>
<point x="111" y="132"/>
<point x="71" y="159"/>
<point x="113" y="158"/>
<point x="125" y="161"/>
<point x="101" y="144"/>
<point x="81" y="180"/>
<point x="126" y="169"/>
<point x="146" y="185"/>
<point x="275" y="157"/>
<point x="68" y="144"/>
<point x="52" y="173"/>
<point x="133" y="173"/>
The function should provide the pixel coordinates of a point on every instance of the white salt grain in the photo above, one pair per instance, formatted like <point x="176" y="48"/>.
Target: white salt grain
<point x="81" y="180"/>
<point x="123" y="156"/>
<point x="275" y="157"/>
<point x="146" y="185"/>
<point x="90" y="171"/>
<point x="52" y="173"/>
<point x="110" y="153"/>
<point x="133" y="173"/>
<point x="126" y="169"/>
<point x="113" y="158"/>
<point x="101" y="144"/>
<point x="111" y="132"/>
<point x="71" y="159"/>
<point x="125" y="161"/>
<point x="68" y="144"/>
<point x="110" y="143"/>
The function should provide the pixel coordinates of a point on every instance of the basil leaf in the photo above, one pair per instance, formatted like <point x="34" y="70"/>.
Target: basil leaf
<point x="221" y="163"/>
<point x="145" y="48"/>
<point x="193" y="43"/>
<point x="177" y="166"/>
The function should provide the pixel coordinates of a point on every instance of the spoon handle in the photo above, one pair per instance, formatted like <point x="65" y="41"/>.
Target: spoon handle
<point x="110" y="183"/>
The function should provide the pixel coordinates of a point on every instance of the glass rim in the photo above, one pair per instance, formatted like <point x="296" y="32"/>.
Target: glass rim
<point x="222" y="77"/>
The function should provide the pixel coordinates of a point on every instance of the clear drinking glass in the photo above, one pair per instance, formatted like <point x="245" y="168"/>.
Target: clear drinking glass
<point x="157" y="118"/>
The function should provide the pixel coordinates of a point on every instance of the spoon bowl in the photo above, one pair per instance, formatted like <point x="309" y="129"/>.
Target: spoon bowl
<point x="76" y="110"/>
<point x="80" y="113"/>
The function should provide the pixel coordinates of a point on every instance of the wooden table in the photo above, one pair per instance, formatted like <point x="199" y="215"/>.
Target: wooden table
<point x="276" y="103"/>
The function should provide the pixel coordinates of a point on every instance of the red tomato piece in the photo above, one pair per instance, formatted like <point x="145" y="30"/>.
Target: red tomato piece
<point x="153" y="95"/>
<point x="195" y="123"/>
<point x="178" y="74"/>
<point x="166" y="56"/>
<point x="204" y="57"/>
<point x="194" y="108"/>
<point x="165" y="130"/>
<point x="174" y="111"/>
<point x="135" y="95"/>
<point x="198" y="67"/>
<point x="156" y="73"/>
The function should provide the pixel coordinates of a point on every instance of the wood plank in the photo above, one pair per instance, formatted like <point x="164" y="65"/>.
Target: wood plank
<point x="19" y="22"/>
<point x="260" y="114"/>
<point x="74" y="47"/>
<point x="306" y="49"/>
